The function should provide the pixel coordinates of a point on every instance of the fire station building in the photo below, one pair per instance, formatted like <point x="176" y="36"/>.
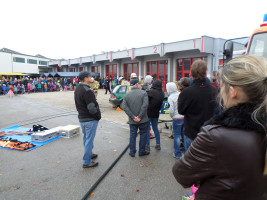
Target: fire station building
<point x="169" y="61"/>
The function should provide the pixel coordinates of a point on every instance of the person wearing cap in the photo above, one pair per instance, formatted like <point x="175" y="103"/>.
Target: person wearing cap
<point x="135" y="104"/>
<point x="133" y="76"/>
<point x="89" y="116"/>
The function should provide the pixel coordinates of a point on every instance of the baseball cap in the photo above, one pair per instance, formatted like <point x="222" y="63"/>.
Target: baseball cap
<point x="133" y="82"/>
<point x="84" y="74"/>
<point x="133" y="75"/>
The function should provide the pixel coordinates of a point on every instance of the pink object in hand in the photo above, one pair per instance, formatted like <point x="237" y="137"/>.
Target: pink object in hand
<point x="194" y="190"/>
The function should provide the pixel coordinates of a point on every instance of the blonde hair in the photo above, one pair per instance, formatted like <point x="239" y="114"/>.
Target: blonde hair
<point x="250" y="74"/>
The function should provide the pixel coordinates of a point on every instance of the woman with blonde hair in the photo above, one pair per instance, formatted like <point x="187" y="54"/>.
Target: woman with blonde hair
<point x="227" y="158"/>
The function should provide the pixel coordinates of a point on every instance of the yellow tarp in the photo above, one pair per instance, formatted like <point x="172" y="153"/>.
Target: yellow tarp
<point x="12" y="74"/>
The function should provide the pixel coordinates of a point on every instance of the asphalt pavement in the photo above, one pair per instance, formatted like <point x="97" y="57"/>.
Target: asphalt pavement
<point x="54" y="171"/>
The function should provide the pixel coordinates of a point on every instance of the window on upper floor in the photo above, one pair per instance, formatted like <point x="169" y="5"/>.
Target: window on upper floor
<point x="41" y="62"/>
<point x="18" y="59"/>
<point x="31" y="61"/>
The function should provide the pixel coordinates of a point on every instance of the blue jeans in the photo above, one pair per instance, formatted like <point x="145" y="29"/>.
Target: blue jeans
<point x="154" y="123"/>
<point x="133" y="134"/>
<point x="178" y="126"/>
<point x="89" y="130"/>
<point x="187" y="143"/>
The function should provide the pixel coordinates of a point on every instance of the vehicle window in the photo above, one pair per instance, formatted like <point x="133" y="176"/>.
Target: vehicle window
<point x="116" y="89"/>
<point x="258" y="45"/>
<point x="122" y="90"/>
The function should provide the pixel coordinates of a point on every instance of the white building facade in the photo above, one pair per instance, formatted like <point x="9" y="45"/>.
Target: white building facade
<point x="15" y="62"/>
<point x="169" y="61"/>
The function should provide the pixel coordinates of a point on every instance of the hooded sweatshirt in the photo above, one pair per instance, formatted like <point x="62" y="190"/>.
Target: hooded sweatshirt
<point x="172" y="100"/>
<point x="155" y="99"/>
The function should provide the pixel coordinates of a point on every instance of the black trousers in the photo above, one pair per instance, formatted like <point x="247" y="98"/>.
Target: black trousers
<point x="107" y="89"/>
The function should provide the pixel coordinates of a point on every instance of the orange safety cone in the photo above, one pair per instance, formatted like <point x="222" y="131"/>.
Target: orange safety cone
<point x="119" y="109"/>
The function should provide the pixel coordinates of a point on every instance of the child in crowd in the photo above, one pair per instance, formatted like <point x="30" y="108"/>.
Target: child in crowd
<point x="18" y="88"/>
<point x="29" y="88"/>
<point x="45" y="87"/>
<point x="39" y="87"/>
<point x="33" y="87"/>
<point x="22" y="89"/>
<point x="4" y="89"/>
<point x="36" y="86"/>
<point x="11" y="88"/>
<point x="15" y="90"/>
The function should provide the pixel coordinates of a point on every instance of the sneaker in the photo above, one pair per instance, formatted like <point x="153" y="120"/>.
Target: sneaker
<point x="94" y="156"/>
<point x="173" y="155"/>
<point x="132" y="155"/>
<point x="147" y="148"/>
<point x="92" y="164"/>
<point x="158" y="147"/>
<point x="144" y="154"/>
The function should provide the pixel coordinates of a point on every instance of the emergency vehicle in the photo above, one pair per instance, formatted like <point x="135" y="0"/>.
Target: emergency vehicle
<point x="257" y="44"/>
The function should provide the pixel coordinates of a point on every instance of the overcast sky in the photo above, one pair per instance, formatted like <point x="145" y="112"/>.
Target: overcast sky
<point x="77" y="28"/>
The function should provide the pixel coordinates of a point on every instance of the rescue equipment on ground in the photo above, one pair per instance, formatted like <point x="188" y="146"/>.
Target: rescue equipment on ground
<point x="15" y="144"/>
<point x="69" y="131"/>
<point x="38" y="127"/>
<point x="45" y="135"/>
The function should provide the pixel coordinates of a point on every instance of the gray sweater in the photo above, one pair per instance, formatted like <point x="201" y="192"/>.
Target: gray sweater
<point x="135" y="104"/>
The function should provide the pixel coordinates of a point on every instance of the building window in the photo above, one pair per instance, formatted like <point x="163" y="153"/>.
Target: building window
<point x="130" y="68"/>
<point x="42" y="62"/>
<point x="20" y="60"/>
<point x="159" y="70"/>
<point x="183" y="66"/>
<point x="111" y="71"/>
<point x="71" y="69"/>
<point x="81" y="69"/>
<point x="95" y="69"/>
<point x="31" y="61"/>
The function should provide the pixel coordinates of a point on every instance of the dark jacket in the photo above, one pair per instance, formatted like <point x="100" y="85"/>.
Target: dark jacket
<point x="86" y="104"/>
<point x="197" y="103"/>
<point x="155" y="99"/>
<point x="107" y="82"/>
<point x="135" y="104"/>
<point x="226" y="158"/>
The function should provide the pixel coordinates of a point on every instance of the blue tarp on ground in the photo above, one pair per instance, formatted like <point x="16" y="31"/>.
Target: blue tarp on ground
<point x="24" y="138"/>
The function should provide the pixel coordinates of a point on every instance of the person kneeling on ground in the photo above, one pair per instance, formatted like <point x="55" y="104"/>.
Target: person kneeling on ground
<point x="89" y="116"/>
<point x="135" y="105"/>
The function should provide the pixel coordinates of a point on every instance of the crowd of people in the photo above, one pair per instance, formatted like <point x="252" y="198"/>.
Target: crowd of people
<point x="32" y="85"/>
<point x="223" y="129"/>
<point x="51" y="84"/>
